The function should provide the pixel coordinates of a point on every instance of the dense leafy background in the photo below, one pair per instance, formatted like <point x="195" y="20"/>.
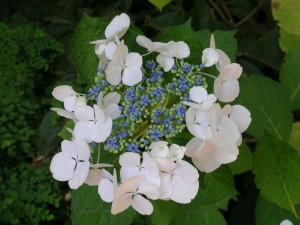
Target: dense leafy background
<point x="38" y="52"/>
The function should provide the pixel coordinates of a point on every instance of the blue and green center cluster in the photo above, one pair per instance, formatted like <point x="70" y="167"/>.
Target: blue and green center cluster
<point x="153" y="110"/>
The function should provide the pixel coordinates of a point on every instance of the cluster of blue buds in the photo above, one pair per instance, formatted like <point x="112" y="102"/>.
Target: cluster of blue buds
<point x="151" y="110"/>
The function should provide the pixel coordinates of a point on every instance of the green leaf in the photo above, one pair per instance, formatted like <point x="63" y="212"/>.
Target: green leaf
<point x="269" y="213"/>
<point x="288" y="41"/>
<point x="268" y="105"/>
<point x="294" y="138"/>
<point x="216" y="188"/>
<point x="277" y="172"/>
<point x="290" y="77"/>
<point x="89" y="209"/>
<point x="203" y="217"/>
<point x="83" y="53"/>
<point x="159" y="3"/>
<point x="243" y="162"/>
<point x="163" y="212"/>
<point x="286" y="12"/>
<point x="64" y="133"/>
<point x="184" y="33"/>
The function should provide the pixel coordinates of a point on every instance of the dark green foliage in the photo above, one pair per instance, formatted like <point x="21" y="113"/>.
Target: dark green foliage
<point x="28" y="195"/>
<point x="26" y="55"/>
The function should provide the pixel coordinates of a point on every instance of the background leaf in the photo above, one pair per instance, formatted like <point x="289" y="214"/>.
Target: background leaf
<point x="163" y="212"/>
<point x="290" y="76"/>
<point x="203" y="217"/>
<point x="286" y="12"/>
<point x="159" y="3"/>
<point x="294" y="138"/>
<point x="243" y="162"/>
<point x="287" y="40"/>
<point x="268" y="106"/>
<point x="89" y="209"/>
<point x="216" y="188"/>
<point x="269" y="213"/>
<point x="277" y="172"/>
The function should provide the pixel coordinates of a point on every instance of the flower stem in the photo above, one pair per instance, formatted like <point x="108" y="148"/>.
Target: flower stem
<point x="98" y="157"/>
<point x="206" y="74"/>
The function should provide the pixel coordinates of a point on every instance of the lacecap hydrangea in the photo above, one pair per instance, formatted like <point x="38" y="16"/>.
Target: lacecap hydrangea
<point x="135" y="108"/>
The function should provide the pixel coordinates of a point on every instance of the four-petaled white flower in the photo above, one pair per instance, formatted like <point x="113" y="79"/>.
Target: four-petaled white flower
<point x="124" y="66"/>
<point x="179" y="180"/>
<point x="132" y="166"/>
<point x="92" y="124"/>
<point x="72" y="163"/>
<point x="129" y="194"/>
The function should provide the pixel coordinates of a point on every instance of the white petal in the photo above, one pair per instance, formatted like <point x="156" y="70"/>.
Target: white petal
<point x="224" y="157"/>
<point x="198" y="94"/>
<point x="166" y="187"/>
<point x="83" y="149"/>
<point x="168" y="49"/>
<point x="229" y="90"/>
<point x="110" y="50"/>
<point x="183" y="192"/>
<point x="142" y="205"/>
<point x="80" y="175"/>
<point x="99" y="114"/>
<point x="165" y="165"/>
<point x="165" y="62"/>
<point x="64" y="113"/>
<point x="85" y="130"/>
<point x="183" y="50"/>
<point x="144" y="42"/>
<point x="149" y="189"/>
<point x="130" y="159"/>
<point x="112" y="111"/>
<point x="225" y="135"/>
<point x="115" y="67"/>
<point x="121" y="203"/>
<point x="129" y="172"/>
<point x="209" y="57"/>
<point x="70" y="104"/>
<point x="69" y="148"/>
<point x="103" y="130"/>
<point x="106" y="190"/>
<point x="84" y="113"/>
<point x="62" y="92"/>
<point x="133" y="60"/>
<point x="93" y="178"/>
<point x="198" y="123"/>
<point x="132" y="76"/>
<point x="62" y="167"/>
<point x="207" y="163"/>
<point x="150" y="165"/>
<point x="130" y="185"/>
<point x="195" y="147"/>
<point x="118" y="26"/>
<point x="286" y="222"/>
<point x="111" y="98"/>
<point x="187" y="172"/>
<point x="241" y="117"/>
<point x="223" y="60"/>
<point x="212" y="41"/>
